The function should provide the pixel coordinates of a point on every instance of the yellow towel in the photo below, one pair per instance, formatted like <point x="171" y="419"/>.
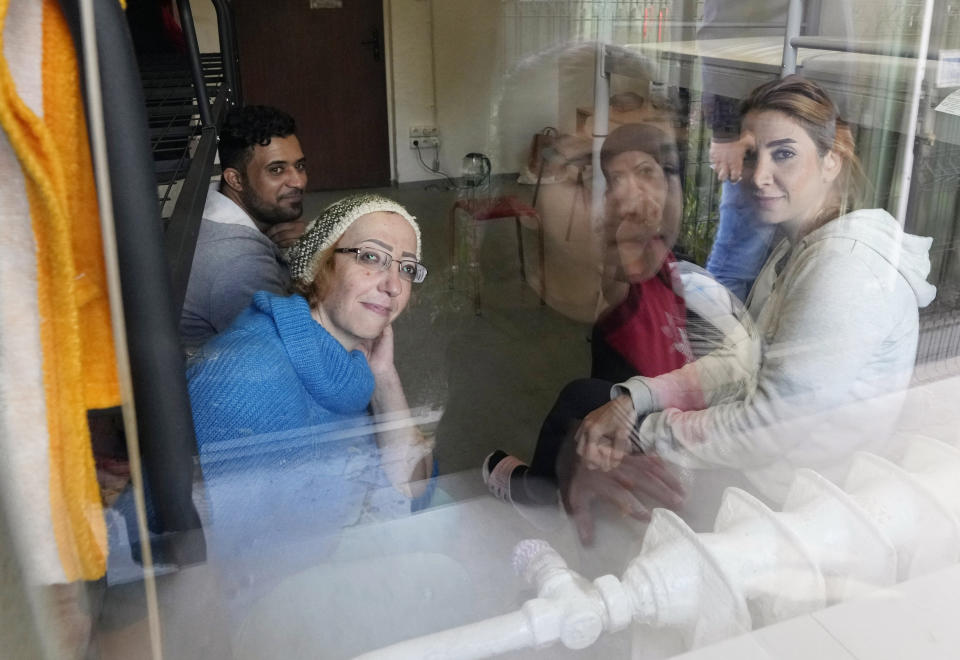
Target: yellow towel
<point x="78" y="362"/>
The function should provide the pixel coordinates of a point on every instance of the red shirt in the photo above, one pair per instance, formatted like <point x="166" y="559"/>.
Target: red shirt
<point x="649" y="327"/>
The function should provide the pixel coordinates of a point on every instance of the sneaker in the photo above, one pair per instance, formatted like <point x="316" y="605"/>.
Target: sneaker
<point x="505" y="476"/>
<point x="498" y="468"/>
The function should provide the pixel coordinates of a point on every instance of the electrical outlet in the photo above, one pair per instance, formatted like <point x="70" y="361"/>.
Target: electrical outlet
<point x="424" y="131"/>
<point x="424" y="143"/>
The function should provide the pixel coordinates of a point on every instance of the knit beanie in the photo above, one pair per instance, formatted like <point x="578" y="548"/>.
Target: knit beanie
<point x="327" y="228"/>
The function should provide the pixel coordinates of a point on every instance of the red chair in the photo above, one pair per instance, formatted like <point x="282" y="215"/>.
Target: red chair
<point x="496" y="208"/>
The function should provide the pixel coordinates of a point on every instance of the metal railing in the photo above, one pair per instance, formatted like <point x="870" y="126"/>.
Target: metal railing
<point x="155" y="265"/>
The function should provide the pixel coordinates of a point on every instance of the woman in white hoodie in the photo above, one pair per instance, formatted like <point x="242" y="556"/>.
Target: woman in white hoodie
<point x="836" y="308"/>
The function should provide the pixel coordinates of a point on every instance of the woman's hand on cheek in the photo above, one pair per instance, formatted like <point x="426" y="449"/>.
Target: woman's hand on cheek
<point x="379" y="353"/>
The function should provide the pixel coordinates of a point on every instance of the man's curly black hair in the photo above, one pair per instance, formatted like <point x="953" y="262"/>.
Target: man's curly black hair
<point x="247" y="127"/>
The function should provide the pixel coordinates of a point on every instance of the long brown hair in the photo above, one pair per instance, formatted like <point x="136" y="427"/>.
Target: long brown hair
<point x="806" y="103"/>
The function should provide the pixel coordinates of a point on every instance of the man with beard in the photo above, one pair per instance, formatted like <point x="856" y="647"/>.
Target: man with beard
<point x="250" y="216"/>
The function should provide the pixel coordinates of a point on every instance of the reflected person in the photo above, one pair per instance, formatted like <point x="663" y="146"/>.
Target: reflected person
<point x="836" y="306"/>
<point x="643" y="329"/>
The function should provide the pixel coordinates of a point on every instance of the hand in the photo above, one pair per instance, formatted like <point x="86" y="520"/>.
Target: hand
<point x="637" y="214"/>
<point x="636" y="474"/>
<point x="726" y="158"/>
<point x="604" y="436"/>
<point x="285" y="234"/>
<point x="379" y="353"/>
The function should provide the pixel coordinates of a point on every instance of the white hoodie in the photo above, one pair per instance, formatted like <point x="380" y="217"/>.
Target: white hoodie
<point x="837" y="315"/>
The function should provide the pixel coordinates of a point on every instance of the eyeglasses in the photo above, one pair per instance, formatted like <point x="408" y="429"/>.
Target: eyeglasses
<point x="378" y="260"/>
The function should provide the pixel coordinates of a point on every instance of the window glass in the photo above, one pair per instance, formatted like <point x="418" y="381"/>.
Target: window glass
<point x="647" y="340"/>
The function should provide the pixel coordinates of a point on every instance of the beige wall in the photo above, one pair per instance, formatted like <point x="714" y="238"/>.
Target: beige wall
<point x="466" y="49"/>
<point x="410" y="65"/>
<point x="487" y="104"/>
<point x="205" y="20"/>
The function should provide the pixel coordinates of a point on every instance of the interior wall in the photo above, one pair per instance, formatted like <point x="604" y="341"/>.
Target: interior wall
<point x="205" y="22"/>
<point x="411" y="63"/>
<point x="466" y="50"/>
<point x="526" y="99"/>
<point x="491" y="101"/>
<point x="447" y="69"/>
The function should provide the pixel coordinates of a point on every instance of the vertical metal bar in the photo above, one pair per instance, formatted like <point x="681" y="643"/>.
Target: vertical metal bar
<point x="181" y="236"/>
<point x="99" y="154"/>
<point x="601" y="105"/>
<point x="164" y="422"/>
<point x="228" y="50"/>
<point x="812" y="17"/>
<point x="912" y="111"/>
<point x="794" y="20"/>
<point x="687" y="24"/>
<point x="193" y="54"/>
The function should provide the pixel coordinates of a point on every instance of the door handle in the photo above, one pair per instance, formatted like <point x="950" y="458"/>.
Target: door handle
<point x="374" y="42"/>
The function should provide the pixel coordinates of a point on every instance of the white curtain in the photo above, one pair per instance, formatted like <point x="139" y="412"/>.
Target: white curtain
<point x="536" y="26"/>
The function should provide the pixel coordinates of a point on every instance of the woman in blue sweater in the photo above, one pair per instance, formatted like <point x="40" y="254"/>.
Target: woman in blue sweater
<point x="281" y="398"/>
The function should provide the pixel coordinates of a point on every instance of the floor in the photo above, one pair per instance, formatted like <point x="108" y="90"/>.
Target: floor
<point x="494" y="375"/>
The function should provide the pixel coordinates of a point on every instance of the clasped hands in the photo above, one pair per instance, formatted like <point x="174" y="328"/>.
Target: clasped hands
<point x="605" y="469"/>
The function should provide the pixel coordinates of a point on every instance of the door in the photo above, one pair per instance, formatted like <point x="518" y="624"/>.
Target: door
<point x="325" y="67"/>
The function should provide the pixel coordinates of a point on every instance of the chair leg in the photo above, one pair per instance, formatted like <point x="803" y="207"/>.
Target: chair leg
<point x="523" y="269"/>
<point x="454" y="266"/>
<point x="474" y="266"/>
<point x="543" y="263"/>
<point x="540" y="258"/>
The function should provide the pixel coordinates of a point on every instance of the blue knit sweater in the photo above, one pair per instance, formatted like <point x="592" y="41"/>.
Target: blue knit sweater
<point x="280" y="410"/>
<point x="275" y="369"/>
